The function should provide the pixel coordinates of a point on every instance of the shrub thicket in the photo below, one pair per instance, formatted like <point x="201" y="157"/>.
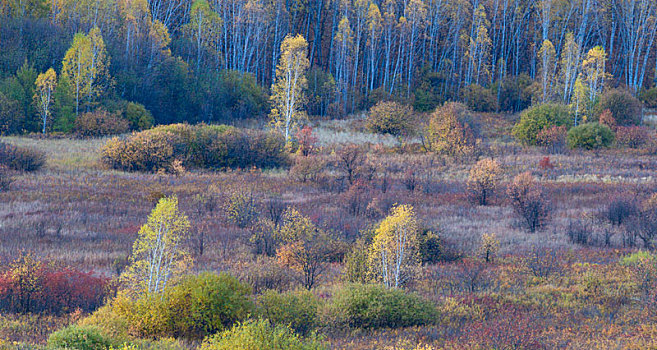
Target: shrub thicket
<point x="632" y="136"/>
<point x="374" y="306"/>
<point x="32" y="286"/>
<point x="138" y="116"/>
<point x="625" y="108"/>
<point x="450" y="131"/>
<point x="390" y="118"/>
<point x="298" y="309"/>
<point x="480" y="99"/>
<point x="20" y="158"/>
<point x="195" y="146"/>
<point x="100" y="123"/>
<point x="261" y="334"/>
<point x="80" y="338"/>
<point x="196" y="307"/>
<point x="590" y="136"/>
<point x="535" y="119"/>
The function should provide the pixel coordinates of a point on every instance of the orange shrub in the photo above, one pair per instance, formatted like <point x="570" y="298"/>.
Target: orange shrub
<point x="100" y="123"/>
<point x="175" y="146"/>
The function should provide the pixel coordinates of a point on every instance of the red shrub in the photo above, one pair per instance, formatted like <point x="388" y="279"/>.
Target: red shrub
<point x="545" y="164"/>
<point x="31" y="286"/>
<point x="307" y="141"/>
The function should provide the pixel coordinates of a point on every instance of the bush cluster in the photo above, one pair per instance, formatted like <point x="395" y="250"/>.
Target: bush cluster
<point x="196" y="307"/>
<point x="625" y="108"/>
<point x="480" y="99"/>
<point x="535" y="119"/>
<point x="375" y="306"/>
<point x="632" y="136"/>
<point x="261" y="334"/>
<point x="195" y="146"/>
<point x="20" y="158"/>
<point x="590" y="136"/>
<point x="100" y="123"/>
<point x="390" y="118"/>
<point x="298" y="310"/>
<point x="31" y="286"/>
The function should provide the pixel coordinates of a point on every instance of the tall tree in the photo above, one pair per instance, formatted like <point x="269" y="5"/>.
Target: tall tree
<point x="569" y="65"/>
<point x="547" y="56"/>
<point x="85" y="65"/>
<point x="288" y="95"/>
<point x="593" y="72"/>
<point x="394" y="252"/>
<point x="45" y="88"/>
<point x="204" y="28"/>
<point x="158" y="254"/>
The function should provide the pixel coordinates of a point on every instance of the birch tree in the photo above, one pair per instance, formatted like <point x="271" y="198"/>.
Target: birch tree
<point x="75" y="67"/>
<point x="638" y="28"/>
<point x="204" y="28"/>
<point x="288" y="95"/>
<point x="393" y="255"/>
<point x="45" y="88"/>
<point x="547" y="60"/>
<point x="158" y="254"/>
<point x="593" y="72"/>
<point x="374" y="27"/>
<point x="569" y="65"/>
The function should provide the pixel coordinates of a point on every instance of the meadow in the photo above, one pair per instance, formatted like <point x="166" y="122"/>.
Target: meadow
<point x="563" y="286"/>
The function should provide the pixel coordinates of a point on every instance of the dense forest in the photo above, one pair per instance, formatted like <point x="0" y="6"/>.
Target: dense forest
<point x="216" y="60"/>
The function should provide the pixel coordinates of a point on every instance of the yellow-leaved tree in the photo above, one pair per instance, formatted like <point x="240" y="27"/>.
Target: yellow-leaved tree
<point x="43" y="96"/>
<point x="483" y="180"/>
<point x="305" y="247"/>
<point x="394" y="256"/>
<point x="447" y="134"/>
<point x="157" y="254"/>
<point x="85" y="65"/>
<point x="287" y="92"/>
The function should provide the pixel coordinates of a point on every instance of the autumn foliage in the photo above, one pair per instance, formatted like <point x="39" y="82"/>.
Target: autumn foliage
<point x="29" y="285"/>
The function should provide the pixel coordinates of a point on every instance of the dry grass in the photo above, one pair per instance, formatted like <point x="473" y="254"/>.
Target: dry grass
<point x="76" y="213"/>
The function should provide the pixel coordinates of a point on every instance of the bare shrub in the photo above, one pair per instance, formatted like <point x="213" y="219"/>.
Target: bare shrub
<point x="21" y="159"/>
<point x="579" y="232"/>
<point x="543" y="262"/>
<point x="350" y="160"/>
<point x="529" y="201"/>
<point x="310" y="168"/>
<point x="619" y="210"/>
<point x="357" y="197"/>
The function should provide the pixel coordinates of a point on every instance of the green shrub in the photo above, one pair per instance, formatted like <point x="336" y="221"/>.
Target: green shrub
<point x="480" y="99"/>
<point x="625" y="108"/>
<point x="205" y="304"/>
<point x="100" y="123"/>
<point x="194" y="308"/>
<point x="138" y="116"/>
<point x="20" y="158"/>
<point x="298" y="310"/>
<point x="195" y="146"/>
<point x="374" y="306"/>
<point x="390" y="118"/>
<point x="80" y="338"/>
<point x="590" y="136"/>
<point x="637" y="258"/>
<point x="258" y="335"/>
<point x="537" y="118"/>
